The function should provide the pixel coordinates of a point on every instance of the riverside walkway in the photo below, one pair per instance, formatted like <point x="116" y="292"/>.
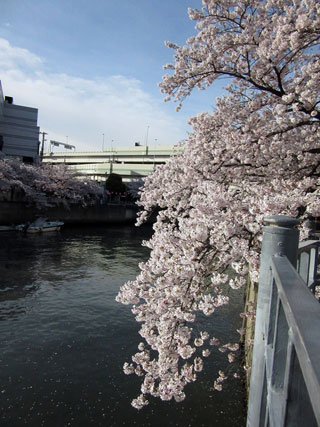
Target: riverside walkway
<point x="285" y="377"/>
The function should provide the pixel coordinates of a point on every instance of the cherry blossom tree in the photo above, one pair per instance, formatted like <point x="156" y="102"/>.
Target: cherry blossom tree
<point x="46" y="185"/>
<point x="256" y="154"/>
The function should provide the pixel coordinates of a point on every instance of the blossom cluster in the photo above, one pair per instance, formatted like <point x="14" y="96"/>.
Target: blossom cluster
<point x="256" y="154"/>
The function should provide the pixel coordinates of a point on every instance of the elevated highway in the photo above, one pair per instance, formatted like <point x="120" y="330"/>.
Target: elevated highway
<point x="132" y="163"/>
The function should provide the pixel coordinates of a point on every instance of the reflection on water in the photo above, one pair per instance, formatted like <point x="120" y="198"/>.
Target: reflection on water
<point x="64" y="339"/>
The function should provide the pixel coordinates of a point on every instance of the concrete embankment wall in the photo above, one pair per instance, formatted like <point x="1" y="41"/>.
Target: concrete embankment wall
<point x="251" y="296"/>
<point x="19" y="212"/>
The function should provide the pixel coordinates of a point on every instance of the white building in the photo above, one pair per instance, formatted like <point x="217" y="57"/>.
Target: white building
<point x="19" y="131"/>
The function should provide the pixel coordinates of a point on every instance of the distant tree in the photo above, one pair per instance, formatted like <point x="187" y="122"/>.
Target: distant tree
<point x="134" y="188"/>
<point x="47" y="185"/>
<point x="114" y="184"/>
<point x="257" y="154"/>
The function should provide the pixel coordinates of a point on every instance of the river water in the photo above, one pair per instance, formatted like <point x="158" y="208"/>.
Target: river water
<point x="64" y="339"/>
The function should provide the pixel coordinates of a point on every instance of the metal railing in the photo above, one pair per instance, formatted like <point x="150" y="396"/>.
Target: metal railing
<point x="308" y="262"/>
<point x="285" y="378"/>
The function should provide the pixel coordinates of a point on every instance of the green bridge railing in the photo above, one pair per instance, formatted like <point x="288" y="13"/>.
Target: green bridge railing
<point x="285" y="377"/>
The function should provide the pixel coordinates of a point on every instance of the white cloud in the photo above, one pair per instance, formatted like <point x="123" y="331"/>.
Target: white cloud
<point x="84" y="109"/>
<point x="14" y="57"/>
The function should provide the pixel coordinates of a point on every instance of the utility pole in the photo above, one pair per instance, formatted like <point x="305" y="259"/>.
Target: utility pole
<point x="147" y="140"/>
<point x="42" y="144"/>
<point x="111" y="157"/>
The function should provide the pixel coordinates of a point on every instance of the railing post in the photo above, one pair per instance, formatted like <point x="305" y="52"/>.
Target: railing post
<point x="279" y="237"/>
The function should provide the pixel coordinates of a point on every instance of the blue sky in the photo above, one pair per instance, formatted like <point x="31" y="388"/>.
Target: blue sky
<point x="92" y="68"/>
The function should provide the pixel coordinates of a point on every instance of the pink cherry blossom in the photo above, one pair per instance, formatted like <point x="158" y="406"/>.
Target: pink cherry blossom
<point x="46" y="185"/>
<point x="256" y="154"/>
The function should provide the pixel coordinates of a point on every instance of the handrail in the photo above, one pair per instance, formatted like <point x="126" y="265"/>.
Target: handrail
<point x="307" y="245"/>
<point x="308" y="260"/>
<point x="302" y="314"/>
<point x="285" y="376"/>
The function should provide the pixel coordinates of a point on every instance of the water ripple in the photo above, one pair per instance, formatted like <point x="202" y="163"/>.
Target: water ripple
<point x="64" y="339"/>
